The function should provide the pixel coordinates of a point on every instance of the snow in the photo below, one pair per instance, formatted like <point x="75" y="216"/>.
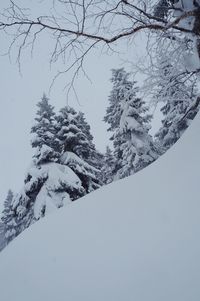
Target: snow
<point x="69" y="158"/>
<point x="192" y="62"/>
<point x="135" y="239"/>
<point x="43" y="152"/>
<point x="49" y="196"/>
<point x="128" y="122"/>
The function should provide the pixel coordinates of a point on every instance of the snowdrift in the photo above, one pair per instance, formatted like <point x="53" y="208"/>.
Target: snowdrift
<point x="136" y="239"/>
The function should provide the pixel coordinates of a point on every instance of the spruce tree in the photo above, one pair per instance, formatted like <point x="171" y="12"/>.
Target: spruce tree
<point x="92" y="155"/>
<point x="89" y="151"/>
<point x="9" y="226"/>
<point x="128" y="118"/>
<point x="137" y="148"/>
<point x="121" y="86"/>
<point x="48" y="184"/>
<point x="63" y="167"/>
<point x="76" y="146"/>
<point x="44" y="133"/>
<point x="107" y="169"/>
<point x="180" y="104"/>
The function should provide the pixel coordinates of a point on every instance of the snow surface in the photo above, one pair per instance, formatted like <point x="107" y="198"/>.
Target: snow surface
<point x="135" y="239"/>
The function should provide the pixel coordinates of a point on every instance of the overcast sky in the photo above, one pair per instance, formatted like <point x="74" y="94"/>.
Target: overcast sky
<point x="20" y="93"/>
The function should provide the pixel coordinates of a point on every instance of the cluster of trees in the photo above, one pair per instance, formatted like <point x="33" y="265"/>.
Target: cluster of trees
<point x="66" y="164"/>
<point x="129" y="119"/>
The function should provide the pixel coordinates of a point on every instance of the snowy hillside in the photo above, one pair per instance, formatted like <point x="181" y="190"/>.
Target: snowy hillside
<point x="136" y="239"/>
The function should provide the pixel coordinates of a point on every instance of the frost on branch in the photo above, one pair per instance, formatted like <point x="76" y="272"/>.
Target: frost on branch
<point x="178" y="92"/>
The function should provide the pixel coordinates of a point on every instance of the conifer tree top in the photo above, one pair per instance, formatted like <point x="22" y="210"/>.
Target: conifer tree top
<point x="45" y="109"/>
<point x="44" y="132"/>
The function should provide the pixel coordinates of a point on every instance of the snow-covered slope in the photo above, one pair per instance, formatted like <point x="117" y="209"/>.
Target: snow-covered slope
<point x="136" y="239"/>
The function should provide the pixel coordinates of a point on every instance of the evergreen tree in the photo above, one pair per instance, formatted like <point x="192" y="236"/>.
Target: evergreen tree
<point x="92" y="155"/>
<point x="128" y="119"/>
<point x="137" y="148"/>
<point x="48" y="184"/>
<point x="85" y="128"/>
<point x="44" y="133"/>
<point x="63" y="167"/>
<point x="107" y="169"/>
<point x="47" y="187"/>
<point x="179" y="97"/>
<point x="8" y="222"/>
<point x="77" y="149"/>
<point x="121" y="86"/>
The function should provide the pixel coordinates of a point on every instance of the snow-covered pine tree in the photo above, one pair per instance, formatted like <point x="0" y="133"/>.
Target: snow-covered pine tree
<point x="181" y="103"/>
<point x="137" y="148"/>
<point x="120" y="85"/>
<point x="92" y="155"/>
<point x="77" y="148"/>
<point x="46" y="187"/>
<point x="43" y="131"/>
<point x="8" y="223"/>
<point x="48" y="184"/>
<point x="128" y="118"/>
<point x="107" y="169"/>
<point x="83" y="125"/>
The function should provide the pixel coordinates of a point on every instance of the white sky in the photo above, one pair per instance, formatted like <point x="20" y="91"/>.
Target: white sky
<point x="19" y="95"/>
